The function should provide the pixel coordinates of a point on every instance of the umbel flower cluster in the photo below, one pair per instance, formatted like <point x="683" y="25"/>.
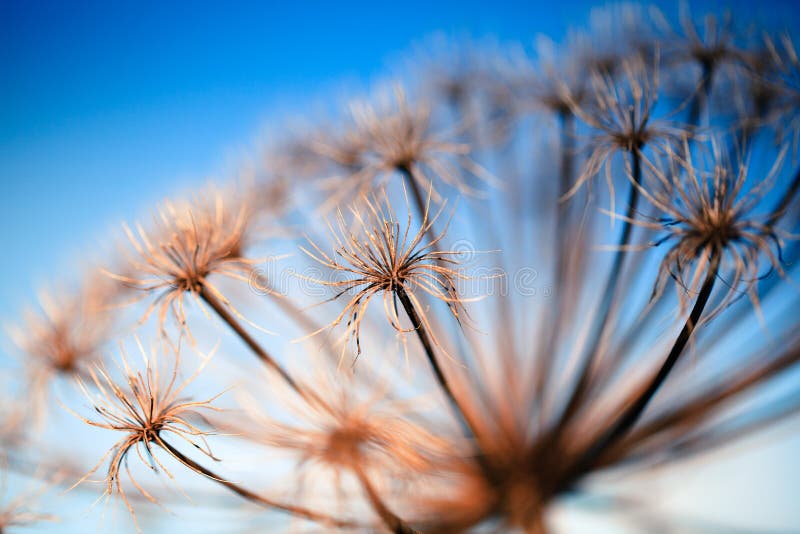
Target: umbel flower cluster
<point x="470" y="298"/>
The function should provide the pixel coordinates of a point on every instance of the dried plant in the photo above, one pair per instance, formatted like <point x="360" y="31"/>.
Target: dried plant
<point x="148" y="410"/>
<point x="398" y="137"/>
<point x="383" y="258"/>
<point x="708" y="218"/>
<point x="190" y="242"/>
<point x="580" y="364"/>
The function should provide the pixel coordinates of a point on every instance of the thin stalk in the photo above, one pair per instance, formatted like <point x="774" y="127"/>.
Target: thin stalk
<point x="701" y="97"/>
<point x="422" y="208"/>
<point x="603" y="312"/>
<point x="467" y="423"/>
<point x="419" y="199"/>
<point x="251" y="496"/>
<point x="389" y="518"/>
<point x="227" y="317"/>
<point x="632" y="414"/>
<point x="566" y="134"/>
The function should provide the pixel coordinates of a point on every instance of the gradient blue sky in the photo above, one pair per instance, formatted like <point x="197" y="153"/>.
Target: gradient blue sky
<point x="108" y="106"/>
<point x="105" y="107"/>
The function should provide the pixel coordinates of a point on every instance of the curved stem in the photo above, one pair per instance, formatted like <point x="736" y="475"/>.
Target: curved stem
<point x="632" y="414"/>
<point x="224" y="314"/>
<point x="561" y="254"/>
<point x="298" y="511"/>
<point x="390" y="519"/>
<point x="580" y="389"/>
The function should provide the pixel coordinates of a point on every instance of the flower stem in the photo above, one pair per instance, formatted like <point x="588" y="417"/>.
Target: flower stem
<point x="632" y="414"/>
<point x="603" y="313"/>
<point x="390" y="519"/>
<point x="561" y="232"/>
<point x="419" y="199"/>
<point x="227" y="317"/>
<point x="701" y="97"/>
<point x="251" y="496"/>
<point x="469" y="426"/>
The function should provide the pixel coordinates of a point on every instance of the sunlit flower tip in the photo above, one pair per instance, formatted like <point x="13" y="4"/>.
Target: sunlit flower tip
<point x="147" y="408"/>
<point x="713" y="215"/>
<point x="376" y="255"/>
<point x="399" y="136"/>
<point x="621" y="113"/>
<point x="187" y="244"/>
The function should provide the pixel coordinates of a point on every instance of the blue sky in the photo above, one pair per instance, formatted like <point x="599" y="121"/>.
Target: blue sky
<point x="106" y="107"/>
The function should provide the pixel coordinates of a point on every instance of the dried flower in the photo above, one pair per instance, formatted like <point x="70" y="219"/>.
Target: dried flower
<point x="65" y="335"/>
<point x="622" y="114"/>
<point x="382" y="258"/>
<point x="147" y="409"/>
<point x="784" y="82"/>
<point x="708" y="46"/>
<point x="712" y="214"/>
<point x="353" y="428"/>
<point x="398" y="137"/>
<point x="190" y="242"/>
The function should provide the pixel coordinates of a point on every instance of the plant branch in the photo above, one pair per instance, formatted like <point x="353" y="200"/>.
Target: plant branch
<point x="227" y="317"/>
<point x="632" y="414"/>
<point x="467" y="423"/>
<point x="543" y="365"/>
<point x="603" y="313"/>
<point x="701" y="97"/>
<point x="419" y="199"/>
<point x="298" y="511"/>
<point x="390" y="519"/>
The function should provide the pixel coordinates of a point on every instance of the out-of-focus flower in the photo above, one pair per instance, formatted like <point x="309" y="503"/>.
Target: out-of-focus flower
<point x="66" y="334"/>
<point x="352" y="431"/>
<point x="622" y="115"/>
<point x="398" y="137"/>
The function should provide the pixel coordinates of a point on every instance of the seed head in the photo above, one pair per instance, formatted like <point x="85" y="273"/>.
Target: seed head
<point x="189" y="242"/>
<point x="144" y="407"/>
<point x="353" y="424"/>
<point x="621" y="113"/>
<point x="379" y="257"/>
<point x="64" y="335"/>
<point x="711" y="211"/>
<point x="783" y="81"/>
<point x="398" y="137"/>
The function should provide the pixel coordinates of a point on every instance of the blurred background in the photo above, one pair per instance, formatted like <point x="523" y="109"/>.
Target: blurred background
<point x="107" y="107"/>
